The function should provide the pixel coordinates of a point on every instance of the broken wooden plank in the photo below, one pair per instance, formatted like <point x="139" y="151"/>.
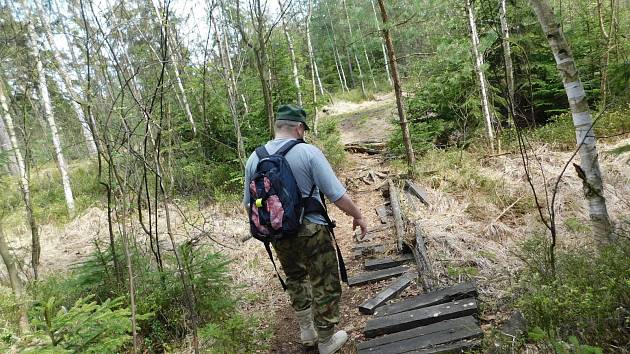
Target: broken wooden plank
<point x="417" y="191"/>
<point x="367" y="249"/>
<point x="419" y="251"/>
<point x="395" y="288"/>
<point x="456" y="292"/>
<point x="382" y="214"/>
<point x="374" y="276"/>
<point x="420" y="317"/>
<point x="398" y="220"/>
<point x="463" y="346"/>
<point x="387" y="262"/>
<point x="425" y="337"/>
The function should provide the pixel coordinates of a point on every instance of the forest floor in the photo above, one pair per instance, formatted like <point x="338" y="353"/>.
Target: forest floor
<point x="479" y="211"/>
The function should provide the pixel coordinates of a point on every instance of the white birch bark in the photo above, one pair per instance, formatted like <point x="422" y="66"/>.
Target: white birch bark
<point x="178" y="79"/>
<point x="354" y="52"/>
<point x="582" y="121"/>
<point x="311" y="59"/>
<point x="230" y="85"/>
<point x="49" y="114"/>
<point x="479" y="68"/>
<point x="296" y="74"/>
<point x="7" y="147"/>
<point x="507" y="57"/>
<point x="66" y="82"/>
<point x="12" y="144"/>
<point x="378" y="28"/>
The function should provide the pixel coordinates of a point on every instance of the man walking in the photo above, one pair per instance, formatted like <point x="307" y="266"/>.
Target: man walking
<point x="309" y="260"/>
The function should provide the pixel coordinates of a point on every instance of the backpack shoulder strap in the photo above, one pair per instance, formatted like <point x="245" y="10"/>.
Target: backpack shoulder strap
<point x="262" y="152"/>
<point x="288" y="146"/>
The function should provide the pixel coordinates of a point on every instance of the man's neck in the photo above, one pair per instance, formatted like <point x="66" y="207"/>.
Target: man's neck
<point x="285" y="136"/>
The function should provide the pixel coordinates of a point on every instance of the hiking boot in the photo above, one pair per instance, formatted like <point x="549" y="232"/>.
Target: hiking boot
<point x="308" y="335"/>
<point x="333" y="344"/>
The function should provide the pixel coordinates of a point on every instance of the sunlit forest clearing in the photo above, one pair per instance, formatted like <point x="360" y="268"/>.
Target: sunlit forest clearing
<point x="487" y="142"/>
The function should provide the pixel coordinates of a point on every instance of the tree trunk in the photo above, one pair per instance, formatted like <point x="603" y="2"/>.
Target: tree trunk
<point x="338" y="63"/>
<point x="48" y="113"/>
<point x="24" y="182"/>
<point x="311" y="59"/>
<point x="180" y="86"/>
<point x="14" y="280"/>
<point x="74" y="96"/>
<point x="507" y="57"/>
<point x="582" y="121"/>
<point x="353" y="50"/>
<point x="378" y="28"/>
<point x="479" y="68"/>
<point x="7" y="147"/>
<point x="411" y="159"/>
<point x="296" y="74"/>
<point x="230" y="86"/>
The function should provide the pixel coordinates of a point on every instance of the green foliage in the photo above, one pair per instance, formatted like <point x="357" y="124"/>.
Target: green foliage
<point x="585" y="298"/>
<point x="560" y="347"/>
<point x="236" y="334"/>
<point x="328" y="139"/>
<point x="86" y="327"/>
<point x="9" y="316"/>
<point x="159" y="294"/>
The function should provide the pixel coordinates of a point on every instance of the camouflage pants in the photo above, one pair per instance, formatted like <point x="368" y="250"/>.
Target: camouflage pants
<point x="310" y="264"/>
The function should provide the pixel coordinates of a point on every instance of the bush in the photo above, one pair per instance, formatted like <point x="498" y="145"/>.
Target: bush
<point x="589" y="296"/>
<point x="329" y="141"/>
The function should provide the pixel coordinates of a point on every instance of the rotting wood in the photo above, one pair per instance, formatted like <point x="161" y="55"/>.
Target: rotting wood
<point x="398" y="219"/>
<point x="395" y="288"/>
<point x="456" y="292"/>
<point x="377" y="275"/>
<point x="388" y="262"/>
<point x="429" y="337"/>
<point x="371" y="233"/>
<point x="420" y="317"/>
<point x="370" y="148"/>
<point x="459" y="347"/>
<point x="382" y="214"/>
<point x="419" y="251"/>
<point x="367" y="249"/>
<point x="417" y="191"/>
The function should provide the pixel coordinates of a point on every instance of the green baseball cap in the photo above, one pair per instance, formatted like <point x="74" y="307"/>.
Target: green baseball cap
<point x="292" y="112"/>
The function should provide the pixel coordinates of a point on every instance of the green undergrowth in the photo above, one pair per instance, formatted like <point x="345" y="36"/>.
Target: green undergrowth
<point x="584" y="305"/>
<point x="328" y="139"/>
<point x="47" y="193"/>
<point x="89" y="309"/>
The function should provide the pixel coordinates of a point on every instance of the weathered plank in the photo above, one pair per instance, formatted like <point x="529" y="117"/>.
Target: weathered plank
<point x="419" y="251"/>
<point x="395" y="288"/>
<point x="463" y="346"/>
<point x="387" y="262"/>
<point x="428" y="337"/>
<point x="382" y="214"/>
<point x="365" y="249"/>
<point x="420" y="317"/>
<point x="456" y="292"/>
<point x="398" y="219"/>
<point x="417" y="191"/>
<point x="374" y="276"/>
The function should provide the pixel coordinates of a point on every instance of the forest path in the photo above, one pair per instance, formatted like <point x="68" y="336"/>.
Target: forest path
<point x="366" y="121"/>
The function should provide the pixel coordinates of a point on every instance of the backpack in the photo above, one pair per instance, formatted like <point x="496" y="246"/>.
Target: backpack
<point x="276" y="206"/>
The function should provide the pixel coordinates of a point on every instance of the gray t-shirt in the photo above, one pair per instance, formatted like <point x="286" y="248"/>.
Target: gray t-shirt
<point x="309" y="167"/>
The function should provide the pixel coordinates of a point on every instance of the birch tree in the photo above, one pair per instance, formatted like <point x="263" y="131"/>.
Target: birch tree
<point x="165" y="27"/>
<point x="352" y="49"/>
<point x="44" y="96"/>
<point x="296" y="74"/>
<point x="478" y="57"/>
<point x="411" y="159"/>
<point x="507" y="58"/>
<point x="66" y="83"/>
<point x="589" y="170"/>
<point x="7" y="147"/>
<point x="311" y="59"/>
<point x="23" y="181"/>
<point x="378" y="28"/>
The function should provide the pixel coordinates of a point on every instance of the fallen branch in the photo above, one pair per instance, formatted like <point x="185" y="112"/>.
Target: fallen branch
<point x="398" y="220"/>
